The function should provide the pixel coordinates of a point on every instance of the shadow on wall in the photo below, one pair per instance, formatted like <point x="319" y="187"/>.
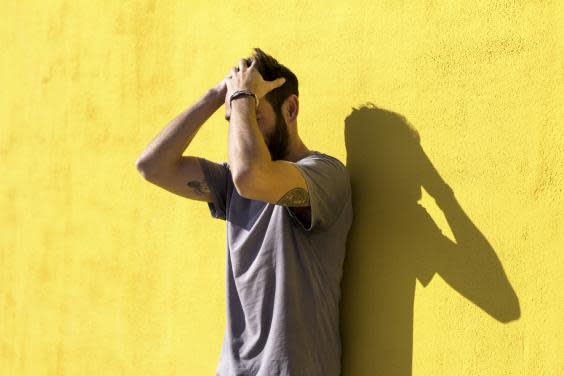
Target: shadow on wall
<point x="393" y="241"/>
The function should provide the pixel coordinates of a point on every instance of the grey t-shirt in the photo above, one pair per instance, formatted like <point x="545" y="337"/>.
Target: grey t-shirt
<point x="283" y="277"/>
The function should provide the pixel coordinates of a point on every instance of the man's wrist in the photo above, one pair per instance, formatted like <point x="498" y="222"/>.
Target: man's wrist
<point x="216" y="95"/>
<point x="244" y="93"/>
<point x="243" y="106"/>
<point x="243" y="100"/>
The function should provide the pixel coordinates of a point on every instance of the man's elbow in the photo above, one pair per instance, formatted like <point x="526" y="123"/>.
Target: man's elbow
<point x="243" y="182"/>
<point x="146" y="169"/>
<point x="141" y="166"/>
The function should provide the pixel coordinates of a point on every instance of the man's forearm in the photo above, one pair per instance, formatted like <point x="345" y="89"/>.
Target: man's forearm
<point x="246" y="147"/>
<point x="167" y="147"/>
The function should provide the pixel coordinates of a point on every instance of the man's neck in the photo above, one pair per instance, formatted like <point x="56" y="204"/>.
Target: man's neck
<point x="297" y="153"/>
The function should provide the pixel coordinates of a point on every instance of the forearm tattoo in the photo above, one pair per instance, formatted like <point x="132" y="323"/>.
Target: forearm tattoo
<point x="200" y="187"/>
<point x="295" y="197"/>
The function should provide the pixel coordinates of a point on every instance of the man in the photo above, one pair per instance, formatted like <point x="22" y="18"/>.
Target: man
<point x="288" y="212"/>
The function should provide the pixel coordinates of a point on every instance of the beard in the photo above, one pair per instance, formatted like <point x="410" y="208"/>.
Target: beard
<point x="278" y="140"/>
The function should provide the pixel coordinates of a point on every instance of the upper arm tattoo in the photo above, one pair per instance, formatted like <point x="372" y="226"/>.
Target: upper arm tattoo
<point x="200" y="187"/>
<point x="295" y="197"/>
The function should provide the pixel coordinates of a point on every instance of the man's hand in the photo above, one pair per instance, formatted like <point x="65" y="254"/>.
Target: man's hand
<point x="249" y="78"/>
<point x="220" y="91"/>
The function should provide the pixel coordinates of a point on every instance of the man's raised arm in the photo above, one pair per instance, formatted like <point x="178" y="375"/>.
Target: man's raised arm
<point x="165" y="151"/>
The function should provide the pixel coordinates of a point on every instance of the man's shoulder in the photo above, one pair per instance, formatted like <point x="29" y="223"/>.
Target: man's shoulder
<point x="317" y="155"/>
<point x="328" y="168"/>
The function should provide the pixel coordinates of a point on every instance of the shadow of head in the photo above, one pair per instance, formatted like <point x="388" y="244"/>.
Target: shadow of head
<point x="386" y="145"/>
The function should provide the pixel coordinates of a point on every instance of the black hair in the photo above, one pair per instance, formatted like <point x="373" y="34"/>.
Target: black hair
<point x="270" y="69"/>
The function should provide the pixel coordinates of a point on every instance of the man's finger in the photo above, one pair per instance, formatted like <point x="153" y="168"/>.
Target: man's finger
<point x="242" y="65"/>
<point x="278" y="82"/>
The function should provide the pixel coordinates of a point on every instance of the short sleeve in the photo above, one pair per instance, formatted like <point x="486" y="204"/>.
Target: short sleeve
<point x="218" y="178"/>
<point x="328" y="187"/>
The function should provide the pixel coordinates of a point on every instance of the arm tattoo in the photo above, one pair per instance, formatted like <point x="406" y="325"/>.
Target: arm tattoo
<point x="295" y="197"/>
<point x="199" y="186"/>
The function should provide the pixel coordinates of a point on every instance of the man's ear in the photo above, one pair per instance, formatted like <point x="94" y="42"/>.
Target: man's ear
<point x="291" y="108"/>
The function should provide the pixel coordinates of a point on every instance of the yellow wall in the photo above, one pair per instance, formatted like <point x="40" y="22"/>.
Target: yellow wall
<point x="102" y="273"/>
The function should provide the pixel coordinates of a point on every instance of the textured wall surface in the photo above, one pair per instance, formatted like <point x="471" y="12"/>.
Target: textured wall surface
<point x="102" y="273"/>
